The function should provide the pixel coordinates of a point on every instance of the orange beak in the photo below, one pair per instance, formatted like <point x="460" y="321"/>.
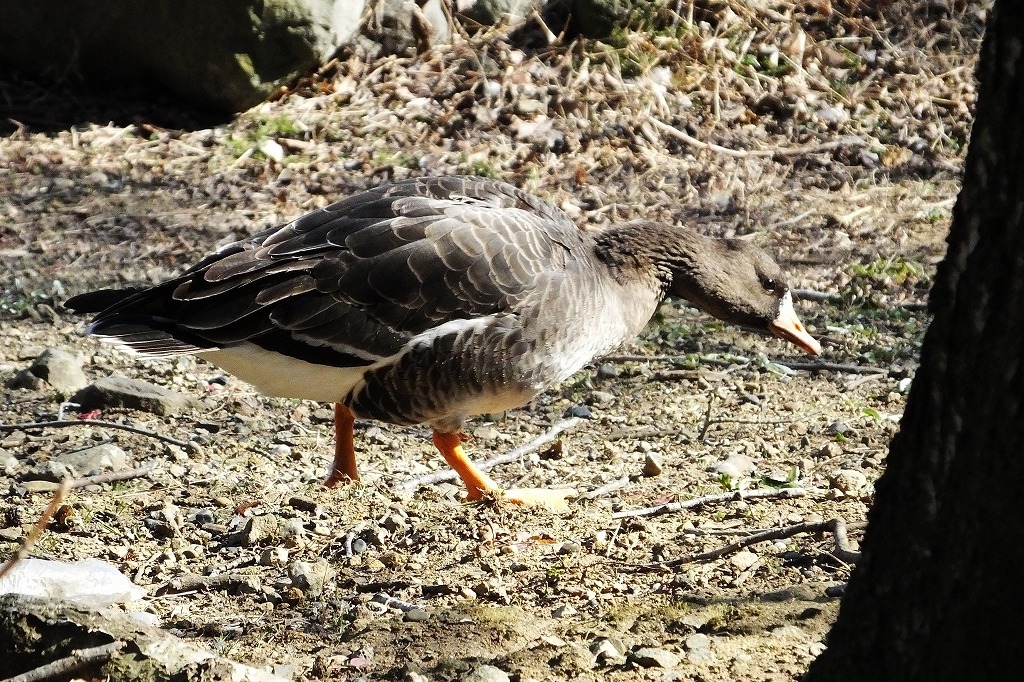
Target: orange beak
<point x="787" y="326"/>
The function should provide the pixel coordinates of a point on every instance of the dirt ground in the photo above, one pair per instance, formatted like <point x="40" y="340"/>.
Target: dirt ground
<point x="831" y="134"/>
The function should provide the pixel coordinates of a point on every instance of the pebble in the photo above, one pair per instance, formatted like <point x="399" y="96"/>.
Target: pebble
<point x="486" y="673"/>
<point x="255" y="530"/>
<point x="829" y="450"/>
<point x="700" y="656"/>
<point x="609" y="650"/>
<point x="607" y="371"/>
<point x="416" y="616"/>
<point x="848" y="481"/>
<point x="697" y="641"/>
<point x="736" y="466"/>
<point x="653" y="657"/>
<point x="310" y="577"/>
<point x="570" y="548"/>
<point x="116" y="391"/>
<point x="563" y="611"/>
<point x="58" y="368"/>
<point x="743" y="560"/>
<point x="274" y="556"/>
<point x="98" y="458"/>
<point x="652" y="465"/>
<point x="486" y="433"/>
<point x="580" y="411"/>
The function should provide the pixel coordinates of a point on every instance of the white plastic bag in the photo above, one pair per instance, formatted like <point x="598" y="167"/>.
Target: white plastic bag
<point x="89" y="583"/>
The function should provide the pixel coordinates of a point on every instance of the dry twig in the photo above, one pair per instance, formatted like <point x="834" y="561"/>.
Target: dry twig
<point x="63" y="667"/>
<point x="37" y="530"/>
<point x="837" y="527"/>
<point x="848" y="141"/>
<point x="62" y="423"/>
<point x="671" y="507"/>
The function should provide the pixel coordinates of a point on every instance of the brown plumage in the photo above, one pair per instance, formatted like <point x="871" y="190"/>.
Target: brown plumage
<point x="433" y="300"/>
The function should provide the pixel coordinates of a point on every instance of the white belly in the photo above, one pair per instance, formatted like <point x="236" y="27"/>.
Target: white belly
<point x="278" y="375"/>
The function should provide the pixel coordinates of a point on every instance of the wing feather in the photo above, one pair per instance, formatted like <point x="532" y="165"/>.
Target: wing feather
<point x="363" y="276"/>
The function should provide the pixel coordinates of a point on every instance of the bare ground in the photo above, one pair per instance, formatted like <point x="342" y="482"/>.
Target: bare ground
<point x="834" y="140"/>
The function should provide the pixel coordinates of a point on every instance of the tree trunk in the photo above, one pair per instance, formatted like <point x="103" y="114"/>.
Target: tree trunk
<point x="939" y="593"/>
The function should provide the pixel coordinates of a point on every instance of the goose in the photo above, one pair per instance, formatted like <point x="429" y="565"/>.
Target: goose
<point x="433" y="300"/>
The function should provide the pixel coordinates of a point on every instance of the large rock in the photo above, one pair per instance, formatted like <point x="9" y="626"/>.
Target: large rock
<point x="225" y="55"/>
<point x="491" y="12"/>
<point x="408" y="26"/>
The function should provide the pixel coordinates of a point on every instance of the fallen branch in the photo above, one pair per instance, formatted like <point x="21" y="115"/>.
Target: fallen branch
<point x="672" y="507"/>
<point x="837" y="527"/>
<point x="817" y="365"/>
<point x="97" y="479"/>
<point x="220" y="581"/>
<point x="62" y="667"/>
<point x="510" y="456"/>
<point x="62" y="423"/>
<point x="37" y="530"/>
<point x="609" y="487"/>
<point x="387" y="601"/>
<point x="848" y="141"/>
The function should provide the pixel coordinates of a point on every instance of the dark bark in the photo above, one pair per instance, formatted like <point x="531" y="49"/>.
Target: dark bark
<point x="939" y="594"/>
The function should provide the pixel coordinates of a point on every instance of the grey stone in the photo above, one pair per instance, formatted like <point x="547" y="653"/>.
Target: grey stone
<point x="59" y="369"/>
<point x="487" y="673"/>
<point x="50" y="470"/>
<point x="310" y="577"/>
<point x="652" y="465"/>
<point x="416" y="616"/>
<point x="25" y="379"/>
<point x="736" y="466"/>
<point x="697" y="640"/>
<point x="104" y="457"/>
<point x="609" y="651"/>
<point x="848" y="481"/>
<point x="116" y="391"/>
<point x="653" y="657"/>
<point x="220" y="55"/>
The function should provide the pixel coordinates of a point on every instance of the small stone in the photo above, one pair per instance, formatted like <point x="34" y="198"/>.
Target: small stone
<point x="570" y="548"/>
<point x="256" y="530"/>
<point x="486" y="433"/>
<point x="305" y="504"/>
<point x="117" y="391"/>
<point x="486" y="673"/>
<point x="358" y="546"/>
<point x="416" y="616"/>
<point x="274" y="556"/>
<point x="601" y="398"/>
<point x="829" y="450"/>
<point x="50" y="470"/>
<point x="736" y="466"/>
<point x="835" y="591"/>
<point x="653" y="657"/>
<point x="580" y="411"/>
<point x="467" y="593"/>
<point x="743" y="560"/>
<point x="59" y="369"/>
<point x="395" y="523"/>
<point x="697" y="641"/>
<point x="652" y="465"/>
<point x="607" y="370"/>
<point x="310" y="577"/>
<point x="99" y="458"/>
<point x="609" y="650"/>
<point x="848" y="481"/>
<point x="700" y="656"/>
<point x="563" y="611"/>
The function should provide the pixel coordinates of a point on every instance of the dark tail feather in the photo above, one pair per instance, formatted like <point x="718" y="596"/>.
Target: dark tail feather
<point x="98" y="301"/>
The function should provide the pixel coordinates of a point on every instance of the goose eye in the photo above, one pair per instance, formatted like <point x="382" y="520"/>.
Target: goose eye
<point x="769" y="283"/>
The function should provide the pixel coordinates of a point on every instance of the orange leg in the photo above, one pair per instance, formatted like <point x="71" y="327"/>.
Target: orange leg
<point x="344" y="468"/>
<point x="479" y="484"/>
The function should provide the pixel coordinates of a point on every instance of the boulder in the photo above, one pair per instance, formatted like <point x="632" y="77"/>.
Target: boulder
<point x="224" y="56"/>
